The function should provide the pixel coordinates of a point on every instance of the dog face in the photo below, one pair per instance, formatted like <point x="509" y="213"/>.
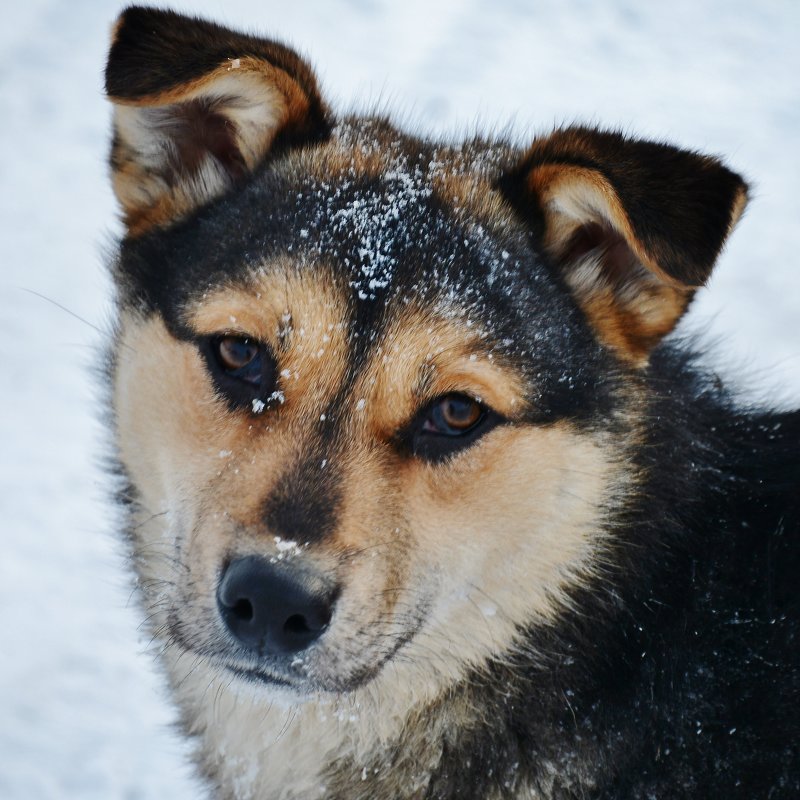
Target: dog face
<point x="375" y="396"/>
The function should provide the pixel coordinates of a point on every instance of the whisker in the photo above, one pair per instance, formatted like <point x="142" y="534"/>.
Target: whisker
<point x="63" y="308"/>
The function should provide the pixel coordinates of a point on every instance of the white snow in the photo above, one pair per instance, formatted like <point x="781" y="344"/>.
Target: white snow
<point x="287" y="547"/>
<point x="83" y="711"/>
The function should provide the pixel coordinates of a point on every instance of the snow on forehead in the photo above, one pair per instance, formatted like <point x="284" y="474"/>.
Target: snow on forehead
<point x="378" y="225"/>
<point x="371" y="226"/>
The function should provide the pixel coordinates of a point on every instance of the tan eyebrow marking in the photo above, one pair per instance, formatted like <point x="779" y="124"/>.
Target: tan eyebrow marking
<point x="301" y="315"/>
<point x="420" y="358"/>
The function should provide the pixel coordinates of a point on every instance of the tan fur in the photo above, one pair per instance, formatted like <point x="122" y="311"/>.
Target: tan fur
<point x="303" y="319"/>
<point x="471" y="194"/>
<point x="423" y="356"/>
<point x="573" y="196"/>
<point x="632" y="319"/>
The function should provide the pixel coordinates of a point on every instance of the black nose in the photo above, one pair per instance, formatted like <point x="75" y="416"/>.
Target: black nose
<point x="269" y="608"/>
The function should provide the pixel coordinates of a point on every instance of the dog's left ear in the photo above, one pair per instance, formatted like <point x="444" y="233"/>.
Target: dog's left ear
<point x="197" y="107"/>
<point x="634" y="227"/>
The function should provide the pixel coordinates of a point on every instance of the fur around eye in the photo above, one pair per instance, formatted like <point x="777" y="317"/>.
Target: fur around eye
<point x="448" y="425"/>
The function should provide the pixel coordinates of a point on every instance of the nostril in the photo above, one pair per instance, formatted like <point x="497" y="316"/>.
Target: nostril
<point x="297" y="623"/>
<point x="243" y="609"/>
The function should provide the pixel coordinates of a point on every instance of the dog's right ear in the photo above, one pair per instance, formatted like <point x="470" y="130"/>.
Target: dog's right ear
<point x="197" y="107"/>
<point x="633" y="227"/>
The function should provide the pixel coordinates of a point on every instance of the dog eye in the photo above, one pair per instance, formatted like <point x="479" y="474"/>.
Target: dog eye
<point x="449" y="424"/>
<point x="453" y="415"/>
<point x="239" y="357"/>
<point x="243" y="370"/>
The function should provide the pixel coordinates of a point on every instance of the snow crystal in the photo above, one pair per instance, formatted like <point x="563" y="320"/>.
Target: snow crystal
<point x="285" y="547"/>
<point x="373" y="222"/>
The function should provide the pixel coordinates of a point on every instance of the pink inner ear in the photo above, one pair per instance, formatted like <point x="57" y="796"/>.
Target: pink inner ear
<point x="618" y="261"/>
<point x="199" y="130"/>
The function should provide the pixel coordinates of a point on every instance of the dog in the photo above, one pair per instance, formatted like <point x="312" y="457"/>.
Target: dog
<point x="422" y="499"/>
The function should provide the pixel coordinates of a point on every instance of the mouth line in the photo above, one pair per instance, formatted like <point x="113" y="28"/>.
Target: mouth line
<point x="221" y="664"/>
<point x="368" y="673"/>
<point x="259" y="676"/>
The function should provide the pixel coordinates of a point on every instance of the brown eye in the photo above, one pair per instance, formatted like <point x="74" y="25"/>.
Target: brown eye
<point x="453" y="415"/>
<point x="460" y="413"/>
<point x="235" y="352"/>
<point x="450" y="424"/>
<point x="242" y="360"/>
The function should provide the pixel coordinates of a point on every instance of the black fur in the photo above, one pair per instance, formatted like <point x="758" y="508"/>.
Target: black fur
<point x="433" y="255"/>
<point x="318" y="484"/>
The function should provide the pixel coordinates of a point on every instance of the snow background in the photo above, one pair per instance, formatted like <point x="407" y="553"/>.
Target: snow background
<point x="82" y="711"/>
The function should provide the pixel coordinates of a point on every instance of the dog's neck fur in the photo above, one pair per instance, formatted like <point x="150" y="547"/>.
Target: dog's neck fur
<point x="381" y="742"/>
<point x="260" y="744"/>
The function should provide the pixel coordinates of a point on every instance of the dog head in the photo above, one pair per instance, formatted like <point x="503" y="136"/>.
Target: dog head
<point x="374" y="394"/>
